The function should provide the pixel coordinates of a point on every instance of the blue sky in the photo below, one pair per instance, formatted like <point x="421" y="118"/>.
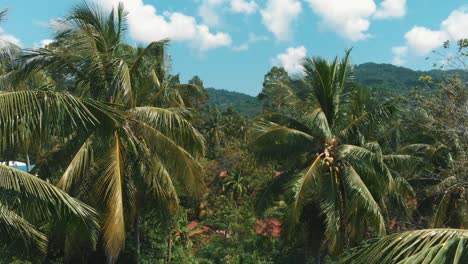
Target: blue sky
<point x="231" y="44"/>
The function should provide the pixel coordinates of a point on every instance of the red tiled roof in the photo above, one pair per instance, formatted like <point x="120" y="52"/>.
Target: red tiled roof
<point x="269" y="227"/>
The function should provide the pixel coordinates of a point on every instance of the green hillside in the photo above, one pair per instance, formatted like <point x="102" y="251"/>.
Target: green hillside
<point x="394" y="79"/>
<point x="386" y="78"/>
<point x="246" y="105"/>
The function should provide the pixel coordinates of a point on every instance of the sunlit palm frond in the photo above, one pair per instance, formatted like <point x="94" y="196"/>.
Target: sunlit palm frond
<point x="305" y="182"/>
<point x="441" y="212"/>
<point x="172" y="123"/>
<point x="176" y="160"/>
<point x="371" y="207"/>
<point x="429" y="246"/>
<point x="365" y="160"/>
<point x="399" y="162"/>
<point x="316" y="120"/>
<point x="379" y="113"/>
<point x="123" y="90"/>
<point x="111" y="186"/>
<point x="41" y="200"/>
<point x="79" y="166"/>
<point x="160" y="186"/>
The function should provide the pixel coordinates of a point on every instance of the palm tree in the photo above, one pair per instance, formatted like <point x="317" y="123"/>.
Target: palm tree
<point x="27" y="200"/>
<point x="236" y="185"/>
<point x="431" y="246"/>
<point x="346" y="182"/>
<point x="131" y="152"/>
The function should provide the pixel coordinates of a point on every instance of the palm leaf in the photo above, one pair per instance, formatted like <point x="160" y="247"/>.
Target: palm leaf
<point x="41" y="200"/>
<point x="305" y="182"/>
<point x="78" y="167"/>
<point x="14" y="227"/>
<point x="273" y="141"/>
<point x="111" y="188"/>
<point x="372" y="209"/>
<point x="172" y="123"/>
<point x="428" y="246"/>
<point x="176" y="160"/>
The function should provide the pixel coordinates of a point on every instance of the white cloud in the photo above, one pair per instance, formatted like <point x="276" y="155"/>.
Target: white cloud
<point x="456" y="25"/>
<point x="292" y="59"/>
<point x="243" y="6"/>
<point x="146" y="25"/>
<point x="7" y="39"/>
<point x="422" y="40"/>
<point x="391" y="9"/>
<point x="253" y="38"/>
<point x="43" y="43"/>
<point x="278" y="16"/>
<point x="399" y="53"/>
<point x="350" y="19"/>
<point x="211" y="11"/>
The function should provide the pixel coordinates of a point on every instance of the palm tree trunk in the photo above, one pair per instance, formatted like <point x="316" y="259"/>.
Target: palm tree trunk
<point x="28" y="163"/>
<point x="137" y="238"/>
<point x="342" y="197"/>
<point x="169" y="249"/>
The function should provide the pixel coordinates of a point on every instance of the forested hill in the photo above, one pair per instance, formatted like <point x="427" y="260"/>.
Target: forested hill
<point x="385" y="78"/>
<point x="392" y="79"/>
<point x="246" y="105"/>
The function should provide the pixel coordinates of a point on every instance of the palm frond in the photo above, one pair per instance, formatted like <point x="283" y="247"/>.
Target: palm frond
<point x="273" y="141"/>
<point x="378" y="113"/>
<point x="371" y="207"/>
<point x="360" y="158"/>
<point x="399" y="162"/>
<point x="316" y="120"/>
<point x="305" y="182"/>
<point x="441" y="213"/>
<point x="429" y="246"/>
<point x="48" y="113"/>
<point x="111" y="188"/>
<point x="79" y="166"/>
<point x="172" y="123"/>
<point x="41" y="200"/>
<point x="13" y="227"/>
<point x="176" y="160"/>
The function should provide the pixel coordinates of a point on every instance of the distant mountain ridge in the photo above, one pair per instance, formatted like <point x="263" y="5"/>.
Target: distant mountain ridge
<point x="395" y="80"/>
<point x="386" y="78"/>
<point x="246" y="105"/>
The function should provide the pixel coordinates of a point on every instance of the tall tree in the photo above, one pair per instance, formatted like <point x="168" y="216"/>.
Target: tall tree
<point x="346" y="182"/>
<point x="136" y="153"/>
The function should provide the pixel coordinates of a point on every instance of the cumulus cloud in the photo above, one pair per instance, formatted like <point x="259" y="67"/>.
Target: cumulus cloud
<point x="243" y="6"/>
<point x="292" y="59"/>
<point x="422" y="40"/>
<point x="278" y="15"/>
<point x="253" y="38"/>
<point x="350" y="19"/>
<point x="7" y="39"/>
<point x="43" y="43"/>
<point x="211" y="11"/>
<point x="399" y="53"/>
<point x="391" y="9"/>
<point x="146" y="25"/>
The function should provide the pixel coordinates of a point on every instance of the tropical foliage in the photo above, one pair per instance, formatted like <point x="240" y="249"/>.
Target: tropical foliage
<point x="126" y="164"/>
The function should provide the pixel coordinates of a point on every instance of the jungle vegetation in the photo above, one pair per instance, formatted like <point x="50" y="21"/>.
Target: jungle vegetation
<point x="126" y="164"/>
